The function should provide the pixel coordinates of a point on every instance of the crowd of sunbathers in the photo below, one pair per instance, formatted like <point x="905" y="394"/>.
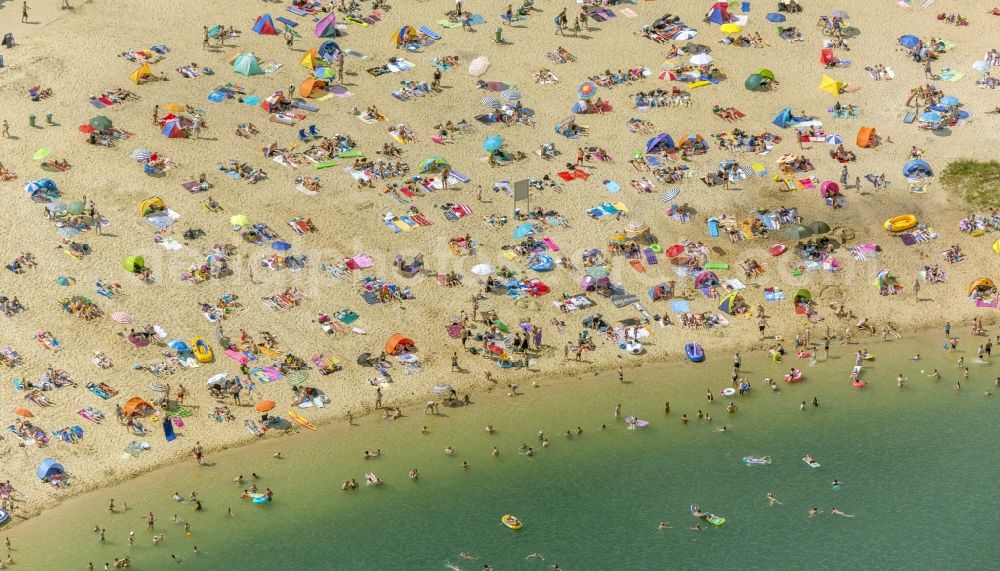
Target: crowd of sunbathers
<point x="662" y="98"/>
<point x="751" y="41"/>
<point x="739" y="140"/>
<point x="243" y="170"/>
<point x="23" y="262"/>
<point x="10" y="306"/>
<point x="609" y="79"/>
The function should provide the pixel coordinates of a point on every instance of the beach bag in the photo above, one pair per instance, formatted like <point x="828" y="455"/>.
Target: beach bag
<point x="8" y="40"/>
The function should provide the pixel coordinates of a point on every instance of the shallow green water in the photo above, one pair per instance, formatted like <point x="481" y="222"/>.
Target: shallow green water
<point x="917" y="468"/>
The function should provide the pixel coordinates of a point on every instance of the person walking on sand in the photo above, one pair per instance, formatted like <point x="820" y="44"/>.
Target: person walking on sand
<point x="618" y="411"/>
<point x="5" y="130"/>
<point x="204" y="38"/>
<point x="24" y="13"/>
<point x="378" y="397"/>
<point x="198" y="452"/>
<point x="340" y="67"/>
<point x="621" y="375"/>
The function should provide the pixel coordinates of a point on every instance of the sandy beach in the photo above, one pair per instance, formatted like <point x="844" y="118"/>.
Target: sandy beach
<point x="77" y="54"/>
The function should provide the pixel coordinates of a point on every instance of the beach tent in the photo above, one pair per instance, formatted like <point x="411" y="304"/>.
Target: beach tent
<point x="311" y="59"/>
<point x="982" y="284"/>
<point x="140" y="74"/>
<point x="328" y="50"/>
<point x="151" y="205"/>
<point x="313" y="88"/>
<point x="404" y="35"/>
<point x="802" y="296"/>
<point x="327" y="27"/>
<point x="265" y="26"/>
<point x="766" y="74"/>
<point x="399" y="343"/>
<point x="755" y="82"/>
<point x="829" y="189"/>
<point x="866" y="137"/>
<point x="433" y="164"/>
<point x="49" y="469"/>
<point x="719" y="13"/>
<point x="831" y="85"/>
<point x="659" y="291"/>
<point x="706" y="279"/>
<point x="693" y="141"/>
<point x="917" y="168"/>
<point x="729" y="303"/>
<point x="661" y="142"/>
<point x="785" y="118"/>
<point x="826" y="56"/>
<point x="996" y="246"/>
<point x="172" y="130"/>
<point x="134" y="264"/>
<point x="136" y="406"/>
<point x="246" y="64"/>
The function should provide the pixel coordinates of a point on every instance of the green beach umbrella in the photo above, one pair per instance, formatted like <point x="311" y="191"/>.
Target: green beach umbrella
<point x="41" y="154"/>
<point x="65" y="281"/>
<point x="501" y="326"/>
<point x="100" y="122"/>
<point x="292" y="31"/>
<point x="597" y="272"/>
<point x="296" y="378"/>
<point x="214" y="31"/>
<point x="76" y="207"/>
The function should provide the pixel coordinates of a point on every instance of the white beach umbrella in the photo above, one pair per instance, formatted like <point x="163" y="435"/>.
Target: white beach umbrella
<point x="688" y="34"/>
<point x="981" y="66"/>
<point x="479" y="66"/>
<point x="482" y="269"/>
<point x="701" y="59"/>
<point x="122" y="317"/>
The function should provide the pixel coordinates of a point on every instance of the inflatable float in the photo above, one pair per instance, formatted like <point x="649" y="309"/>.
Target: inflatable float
<point x="756" y="460"/>
<point x="299" y="420"/>
<point x="728" y="392"/>
<point x="812" y="463"/>
<point x="900" y="223"/>
<point x="633" y="348"/>
<point x="260" y="499"/>
<point x="541" y="263"/>
<point x="793" y="377"/>
<point x="694" y="352"/>
<point x="858" y="383"/>
<point x="511" y="521"/>
<point x="777" y="249"/>
<point x="202" y="352"/>
<point x="710" y="518"/>
<point x="633" y="422"/>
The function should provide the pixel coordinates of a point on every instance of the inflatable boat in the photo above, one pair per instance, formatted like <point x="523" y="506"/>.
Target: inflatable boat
<point x="694" y="352"/>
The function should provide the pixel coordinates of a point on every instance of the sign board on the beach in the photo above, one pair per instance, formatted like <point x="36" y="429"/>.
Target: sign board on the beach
<point x="521" y="190"/>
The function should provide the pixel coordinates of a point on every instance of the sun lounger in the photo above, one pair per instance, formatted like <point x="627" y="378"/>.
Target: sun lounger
<point x="650" y="256"/>
<point x="297" y="11"/>
<point x="287" y="22"/>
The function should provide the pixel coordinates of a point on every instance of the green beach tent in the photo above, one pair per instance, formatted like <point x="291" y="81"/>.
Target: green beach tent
<point x="755" y="82"/>
<point x="246" y="64"/>
<point x="134" y="264"/>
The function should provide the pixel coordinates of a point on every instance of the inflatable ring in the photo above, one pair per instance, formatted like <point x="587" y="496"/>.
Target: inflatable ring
<point x="728" y="392"/>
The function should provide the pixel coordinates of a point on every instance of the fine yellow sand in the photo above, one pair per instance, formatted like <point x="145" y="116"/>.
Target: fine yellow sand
<point x="76" y="55"/>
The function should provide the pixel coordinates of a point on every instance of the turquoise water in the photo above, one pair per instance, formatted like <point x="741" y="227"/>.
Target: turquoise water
<point x="917" y="468"/>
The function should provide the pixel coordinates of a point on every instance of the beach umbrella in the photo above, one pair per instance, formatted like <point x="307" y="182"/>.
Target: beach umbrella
<point x="23" y="412"/>
<point x="141" y="155"/>
<point x="667" y="75"/>
<point x="174" y="107"/>
<point x="239" y="220"/>
<point x="492" y="102"/>
<point x="41" y="154"/>
<point x="122" y="317"/>
<point x="76" y="207"/>
<point x="323" y="73"/>
<point x="87" y="129"/>
<point x="214" y="31"/>
<point x="281" y="246"/>
<point x="100" y="122"/>
<point x="981" y="66"/>
<point x="493" y="143"/>
<point x="479" y="66"/>
<point x="834" y="140"/>
<point x="265" y="406"/>
<point x="432" y="163"/>
<point x="297" y="377"/>
<point x="797" y="232"/>
<point x="501" y="326"/>
<point x="65" y="281"/>
<point x="908" y="41"/>
<point x="840" y="14"/>
<point x="730" y="28"/>
<point x="510" y="95"/>
<point x="441" y="389"/>
<point x="55" y="207"/>
<point x="523" y="230"/>
<point x="217" y="379"/>
<point x="775" y="17"/>
<point x="930" y="117"/>
<point x="178" y="345"/>
<point x="685" y="35"/>
<point x="701" y="59"/>
<point x="586" y="90"/>
<point x="819" y="227"/>
<point x="597" y="272"/>
<point x="363" y="359"/>
<point x="949" y="101"/>
<point x="482" y="269"/>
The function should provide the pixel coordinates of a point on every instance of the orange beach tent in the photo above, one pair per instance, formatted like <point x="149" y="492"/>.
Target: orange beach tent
<point x="866" y="137"/>
<point x="312" y="87"/>
<point x="398" y="343"/>
<point x="137" y="406"/>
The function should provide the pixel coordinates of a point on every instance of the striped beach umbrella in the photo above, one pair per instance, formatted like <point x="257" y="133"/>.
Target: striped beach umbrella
<point x="834" y="140"/>
<point x="141" y="155"/>
<point x="441" y="389"/>
<point x="491" y="102"/>
<point x="122" y="317"/>
<point x="297" y="377"/>
<point x="65" y="281"/>
<point x="587" y="90"/>
<point x="510" y="95"/>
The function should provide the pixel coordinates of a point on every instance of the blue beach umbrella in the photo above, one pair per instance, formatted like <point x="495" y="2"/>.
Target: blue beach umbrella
<point x="908" y="41"/>
<point x="587" y="90"/>
<point x="493" y="143"/>
<point x="441" y="389"/>
<point x="834" y="140"/>
<point x="281" y="246"/>
<point x="179" y="346"/>
<point x="930" y="117"/>
<point x="775" y="17"/>
<point x="949" y="100"/>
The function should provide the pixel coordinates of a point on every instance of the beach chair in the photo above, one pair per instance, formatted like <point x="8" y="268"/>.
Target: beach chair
<point x="302" y="136"/>
<point x="313" y="131"/>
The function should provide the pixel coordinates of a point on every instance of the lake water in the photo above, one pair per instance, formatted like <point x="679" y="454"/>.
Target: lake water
<point x="917" y="468"/>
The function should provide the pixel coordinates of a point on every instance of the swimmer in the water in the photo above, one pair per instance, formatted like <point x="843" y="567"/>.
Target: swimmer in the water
<point x="936" y="375"/>
<point x="771" y="499"/>
<point x="697" y="527"/>
<point x="900" y="380"/>
<point x="495" y="451"/>
<point x="815" y="511"/>
<point x="835" y="511"/>
<point x="535" y="554"/>
<point x="836" y="483"/>
<point x="466" y="556"/>
<point x="663" y="525"/>
<point x="723" y="428"/>
<point x="916" y="357"/>
<point x="684" y="418"/>
<point x="449" y="451"/>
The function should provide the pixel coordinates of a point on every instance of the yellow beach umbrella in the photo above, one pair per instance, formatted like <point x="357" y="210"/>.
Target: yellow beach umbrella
<point x="174" y="107"/>
<point x="730" y="28"/>
<point x="240" y="220"/>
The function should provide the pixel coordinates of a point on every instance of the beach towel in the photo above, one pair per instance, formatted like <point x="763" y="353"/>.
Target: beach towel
<point x="611" y="185"/>
<point x="680" y="306"/>
<point x="429" y="33"/>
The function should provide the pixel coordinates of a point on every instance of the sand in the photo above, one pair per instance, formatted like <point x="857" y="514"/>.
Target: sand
<point x="75" y="54"/>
